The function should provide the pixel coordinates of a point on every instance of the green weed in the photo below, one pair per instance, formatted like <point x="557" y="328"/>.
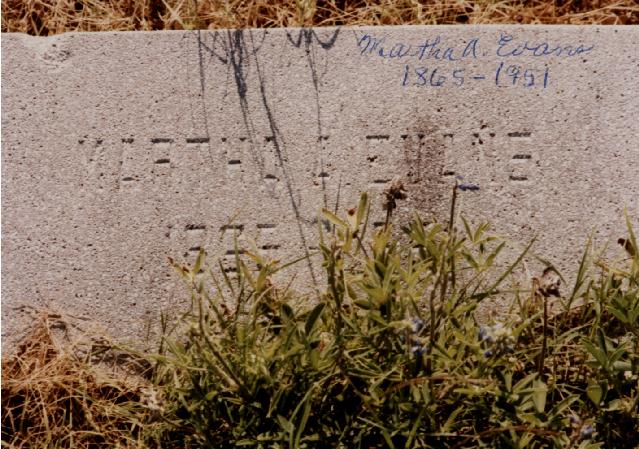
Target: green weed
<point x="392" y="354"/>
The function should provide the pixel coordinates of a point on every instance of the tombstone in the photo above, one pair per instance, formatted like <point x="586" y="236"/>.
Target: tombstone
<point x="121" y="149"/>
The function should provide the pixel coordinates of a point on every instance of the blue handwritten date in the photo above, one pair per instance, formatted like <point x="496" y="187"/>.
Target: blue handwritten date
<point x="504" y="75"/>
<point x="517" y="75"/>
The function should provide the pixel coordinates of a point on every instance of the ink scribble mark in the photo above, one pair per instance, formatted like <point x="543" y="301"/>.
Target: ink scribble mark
<point x="339" y="193"/>
<point x="305" y="37"/>
<point x="236" y="56"/>
<point x="203" y="91"/>
<point x="278" y="145"/>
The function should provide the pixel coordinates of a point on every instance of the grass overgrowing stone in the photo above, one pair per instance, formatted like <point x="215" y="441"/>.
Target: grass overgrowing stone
<point x="389" y="353"/>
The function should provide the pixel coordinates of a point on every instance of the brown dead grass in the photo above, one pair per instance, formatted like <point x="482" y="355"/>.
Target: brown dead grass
<point x="58" y="393"/>
<point x="47" y="17"/>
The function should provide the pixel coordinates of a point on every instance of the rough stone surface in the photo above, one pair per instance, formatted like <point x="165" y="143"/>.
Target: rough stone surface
<point x="120" y="149"/>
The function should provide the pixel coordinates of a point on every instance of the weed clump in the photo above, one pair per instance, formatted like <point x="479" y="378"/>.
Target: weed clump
<point x="391" y="354"/>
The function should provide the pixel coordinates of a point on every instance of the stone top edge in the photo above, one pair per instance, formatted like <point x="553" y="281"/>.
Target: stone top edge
<point x="563" y="27"/>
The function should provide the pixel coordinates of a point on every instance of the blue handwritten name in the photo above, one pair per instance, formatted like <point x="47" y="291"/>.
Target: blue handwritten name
<point x="429" y="49"/>
<point x="508" y="46"/>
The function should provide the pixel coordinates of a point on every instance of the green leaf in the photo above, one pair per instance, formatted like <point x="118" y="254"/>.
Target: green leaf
<point x="199" y="261"/>
<point x="491" y="290"/>
<point x="469" y="391"/>
<point x="602" y="341"/>
<point x="596" y="353"/>
<point x="285" y="424"/>
<point x="539" y="392"/>
<point x="594" y="392"/>
<point x="302" y="424"/>
<point x="525" y="440"/>
<point x="530" y="418"/>
<point x="388" y="438"/>
<point x="616" y="405"/>
<point x="314" y="358"/>
<point x="491" y="259"/>
<point x="563" y="405"/>
<point x="447" y="427"/>
<point x="362" y="208"/>
<point x="211" y="394"/>
<point x="519" y="386"/>
<point x="287" y="311"/>
<point x="622" y="365"/>
<point x="330" y="216"/>
<point x="621" y="316"/>
<point x="633" y="239"/>
<point x="471" y="260"/>
<point x="581" y="273"/>
<point x="312" y="318"/>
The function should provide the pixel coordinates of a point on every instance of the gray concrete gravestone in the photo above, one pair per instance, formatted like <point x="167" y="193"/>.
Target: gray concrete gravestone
<point x="120" y="149"/>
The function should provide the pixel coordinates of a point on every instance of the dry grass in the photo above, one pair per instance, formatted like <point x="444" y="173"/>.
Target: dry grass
<point x="47" y="17"/>
<point x="58" y="393"/>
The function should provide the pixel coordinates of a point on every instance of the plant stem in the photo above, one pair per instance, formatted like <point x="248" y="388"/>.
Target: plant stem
<point x="542" y="355"/>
